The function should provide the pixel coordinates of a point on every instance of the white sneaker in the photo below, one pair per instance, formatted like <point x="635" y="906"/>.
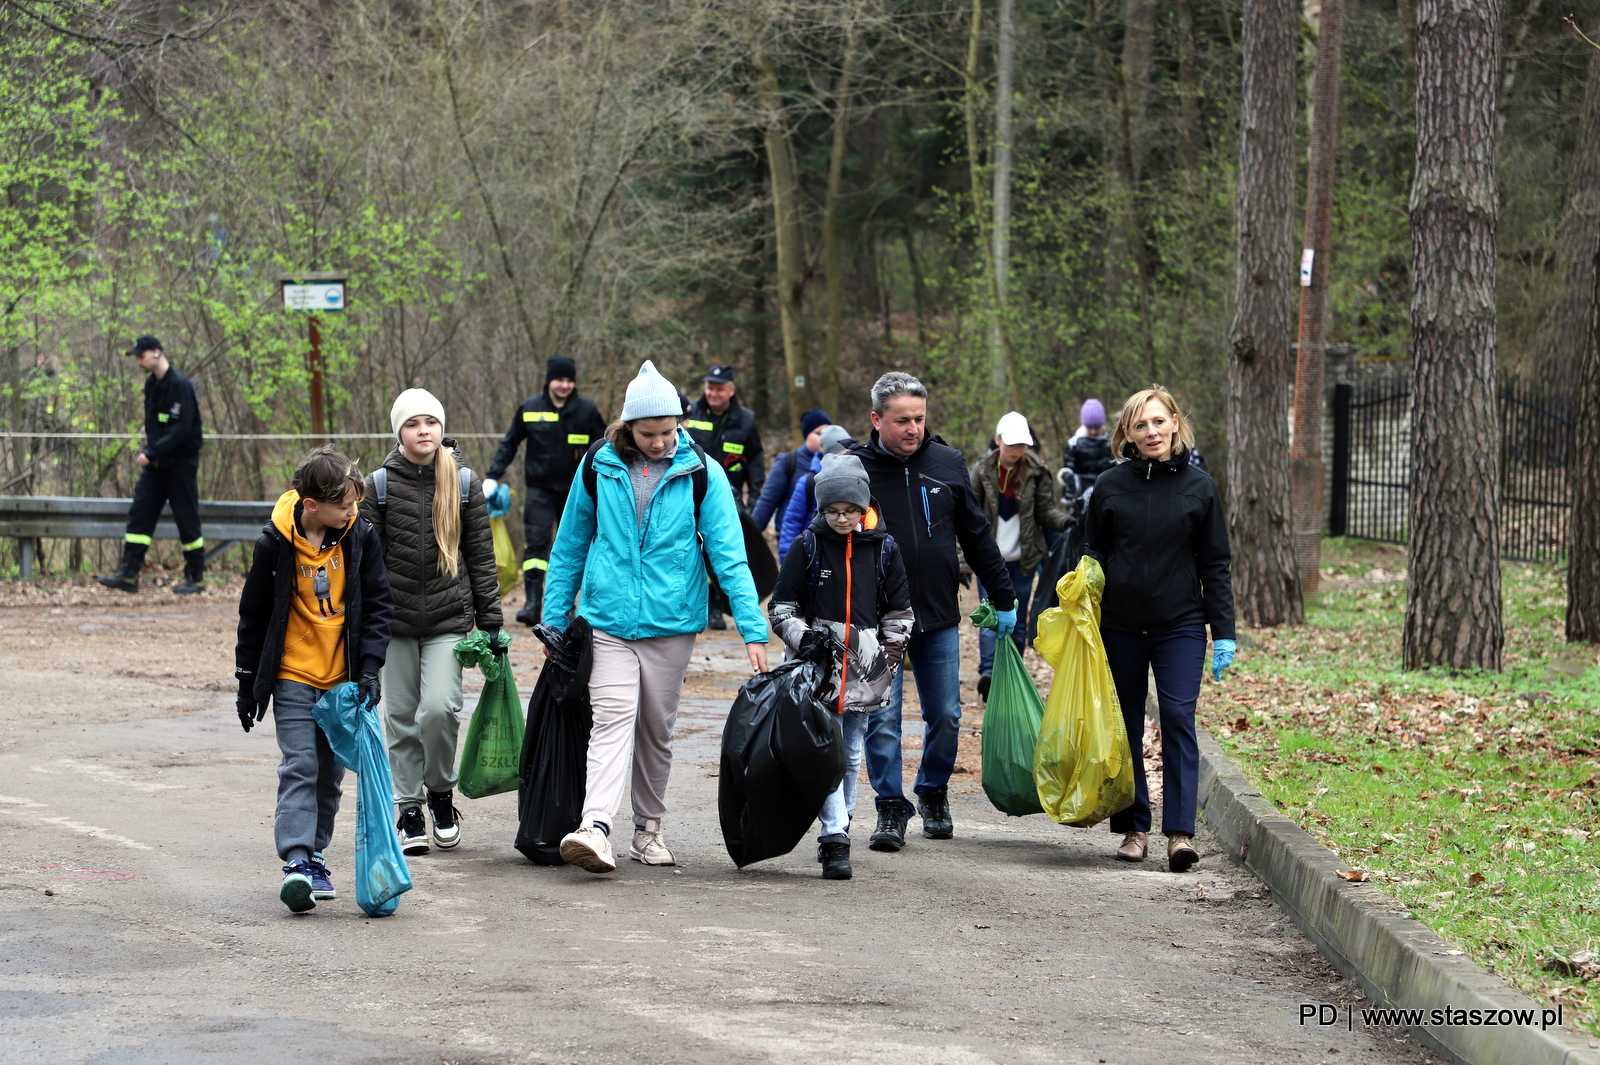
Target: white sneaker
<point x="588" y="848"/>
<point x="647" y="845"/>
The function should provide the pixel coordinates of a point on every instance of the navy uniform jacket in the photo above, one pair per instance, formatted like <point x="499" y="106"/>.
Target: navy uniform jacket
<point x="171" y="419"/>
<point x="557" y="439"/>
<point x="733" y="441"/>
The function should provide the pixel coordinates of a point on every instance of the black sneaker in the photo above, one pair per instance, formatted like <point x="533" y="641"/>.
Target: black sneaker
<point x="413" y="831"/>
<point x="446" y="819"/>
<point x="984" y="680"/>
<point x="934" y="807"/>
<point x="890" y="835"/>
<point x="834" y="854"/>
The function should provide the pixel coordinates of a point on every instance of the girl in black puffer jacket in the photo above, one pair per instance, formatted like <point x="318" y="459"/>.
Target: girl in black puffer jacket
<point x="440" y="554"/>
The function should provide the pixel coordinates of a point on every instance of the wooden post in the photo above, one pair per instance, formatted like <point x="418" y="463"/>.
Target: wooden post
<point x="318" y="424"/>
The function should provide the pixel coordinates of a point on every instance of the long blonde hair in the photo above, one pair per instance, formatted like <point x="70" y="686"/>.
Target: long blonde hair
<point x="1131" y="410"/>
<point x="447" y="510"/>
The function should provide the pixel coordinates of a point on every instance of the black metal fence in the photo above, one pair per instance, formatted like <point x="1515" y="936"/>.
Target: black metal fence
<point x="1372" y="454"/>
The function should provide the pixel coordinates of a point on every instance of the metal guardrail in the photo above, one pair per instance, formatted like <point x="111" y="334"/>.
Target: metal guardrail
<point x="32" y="518"/>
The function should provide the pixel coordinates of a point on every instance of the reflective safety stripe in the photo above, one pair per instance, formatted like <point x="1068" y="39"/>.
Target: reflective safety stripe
<point x="733" y="449"/>
<point x="138" y="538"/>
<point x="540" y="416"/>
<point x="195" y="545"/>
<point x="535" y="563"/>
<point x="162" y="417"/>
<point x="578" y="438"/>
<point x="704" y="427"/>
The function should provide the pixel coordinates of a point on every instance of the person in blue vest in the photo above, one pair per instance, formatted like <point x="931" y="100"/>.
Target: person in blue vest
<point x="788" y="467"/>
<point x="169" y="468"/>
<point x="559" y="425"/>
<point x="630" y="549"/>
<point x="726" y="431"/>
<point x="802" y="505"/>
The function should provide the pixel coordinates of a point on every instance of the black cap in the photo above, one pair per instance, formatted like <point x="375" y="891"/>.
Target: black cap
<point x="722" y="375"/>
<point x="560" y="366"/>
<point x="143" y="344"/>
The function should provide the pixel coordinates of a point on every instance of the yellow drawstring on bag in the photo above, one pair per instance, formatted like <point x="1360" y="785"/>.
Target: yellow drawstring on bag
<point x="1081" y="765"/>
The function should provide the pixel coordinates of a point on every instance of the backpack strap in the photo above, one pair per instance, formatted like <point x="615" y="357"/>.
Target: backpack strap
<point x="380" y="481"/>
<point x="808" y="540"/>
<point x="465" y="475"/>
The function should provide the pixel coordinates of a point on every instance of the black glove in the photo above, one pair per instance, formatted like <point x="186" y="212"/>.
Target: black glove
<point x="371" y="688"/>
<point x="249" y="710"/>
<point x="494" y="642"/>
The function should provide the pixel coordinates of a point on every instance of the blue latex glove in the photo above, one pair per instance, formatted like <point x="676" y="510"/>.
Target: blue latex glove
<point x="1221" y="657"/>
<point x="1007" y="621"/>
<point x="499" y="501"/>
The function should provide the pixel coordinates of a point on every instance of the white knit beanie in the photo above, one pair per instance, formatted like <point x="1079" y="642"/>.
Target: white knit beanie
<point x="651" y="396"/>
<point x="412" y="402"/>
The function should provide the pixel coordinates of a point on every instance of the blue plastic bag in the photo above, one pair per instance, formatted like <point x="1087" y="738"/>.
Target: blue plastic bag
<point x="382" y="875"/>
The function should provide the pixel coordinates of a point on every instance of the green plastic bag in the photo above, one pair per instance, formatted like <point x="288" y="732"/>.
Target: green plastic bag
<point x="1082" y="765"/>
<point x="1010" y="726"/>
<point x="493" y="747"/>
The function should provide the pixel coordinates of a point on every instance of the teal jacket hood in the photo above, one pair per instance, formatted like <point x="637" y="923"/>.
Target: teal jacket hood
<point x="643" y="579"/>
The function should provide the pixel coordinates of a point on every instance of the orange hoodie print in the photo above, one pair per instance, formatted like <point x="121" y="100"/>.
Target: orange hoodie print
<point x="313" y="642"/>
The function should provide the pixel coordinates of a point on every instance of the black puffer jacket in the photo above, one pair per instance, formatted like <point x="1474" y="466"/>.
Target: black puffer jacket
<point x="427" y="600"/>
<point x="1158" y="531"/>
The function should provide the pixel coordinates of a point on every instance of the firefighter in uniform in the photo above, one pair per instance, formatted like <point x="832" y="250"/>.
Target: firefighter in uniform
<point x="726" y="430"/>
<point x="559" y="425"/>
<point x="171" y="463"/>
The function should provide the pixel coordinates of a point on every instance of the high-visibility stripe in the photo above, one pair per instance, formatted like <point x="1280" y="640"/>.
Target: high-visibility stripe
<point x="540" y="416"/>
<point x="578" y="438"/>
<point x="162" y="417"/>
<point x="138" y="538"/>
<point x="195" y="545"/>
<point x="535" y="563"/>
<point x="733" y="449"/>
<point x="705" y="427"/>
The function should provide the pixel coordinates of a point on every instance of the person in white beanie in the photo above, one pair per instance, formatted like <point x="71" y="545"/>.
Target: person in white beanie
<point x="440" y="554"/>
<point x="627" y="541"/>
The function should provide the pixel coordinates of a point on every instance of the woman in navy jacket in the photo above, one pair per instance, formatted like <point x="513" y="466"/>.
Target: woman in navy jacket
<point x="1157" y="528"/>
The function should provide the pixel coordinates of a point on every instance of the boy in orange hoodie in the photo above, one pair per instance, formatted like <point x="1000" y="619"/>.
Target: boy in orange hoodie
<point x="315" y="612"/>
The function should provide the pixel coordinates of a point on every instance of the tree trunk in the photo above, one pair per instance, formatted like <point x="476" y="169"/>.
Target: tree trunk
<point x="1188" y="89"/>
<point x="980" y="209"/>
<point x="791" y="253"/>
<point x="833" y="345"/>
<point x="1002" y="360"/>
<point x="760" y="346"/>
<point x="1305" y="457"/>
<point x="1265" y="578"/>
<point x="1453" y="608"/>
<point x="1577" y="339"/>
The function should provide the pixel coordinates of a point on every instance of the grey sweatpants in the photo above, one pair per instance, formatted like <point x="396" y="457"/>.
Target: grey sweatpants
<point x="422" y="714"/>
<point x="634" y="690"/>
<point x="308" y="776"/>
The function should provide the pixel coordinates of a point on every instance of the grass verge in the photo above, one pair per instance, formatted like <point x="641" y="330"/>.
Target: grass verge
<point x="1472" y="798"/>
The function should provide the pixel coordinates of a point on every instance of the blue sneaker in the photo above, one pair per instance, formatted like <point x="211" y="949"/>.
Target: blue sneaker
<point x="296" y="890"/>
<point x="321" y="882"/>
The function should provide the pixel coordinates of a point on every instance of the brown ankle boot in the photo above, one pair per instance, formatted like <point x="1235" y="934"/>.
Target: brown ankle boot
<point x="1134" y="847"/>
<point x="1180" y="853"/>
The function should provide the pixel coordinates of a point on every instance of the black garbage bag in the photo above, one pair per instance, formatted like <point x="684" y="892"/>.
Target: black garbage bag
<point x="763" y="565"/>
<point x="782" y="755"/>
<point x="553" y="769"/>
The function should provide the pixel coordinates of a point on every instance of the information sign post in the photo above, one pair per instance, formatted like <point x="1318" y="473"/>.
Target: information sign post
<point x="315" y="292"/>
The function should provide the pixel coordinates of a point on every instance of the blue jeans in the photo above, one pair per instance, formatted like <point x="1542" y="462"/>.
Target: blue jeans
<point x="1175" y="657"/>
<point x="1023" y="583"/>
<point x="835" y="817"/>
<point x="934" y="658"/>
<point x="308" y="776"/>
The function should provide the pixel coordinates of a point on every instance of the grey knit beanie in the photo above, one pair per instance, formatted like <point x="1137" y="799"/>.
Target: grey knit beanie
<point x="651" y="396"/>
<point x="833" y="439"/>
<point x="842" y="479"/>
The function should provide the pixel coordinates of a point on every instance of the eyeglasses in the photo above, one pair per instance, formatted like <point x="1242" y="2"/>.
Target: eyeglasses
<point x="834" y="515"/>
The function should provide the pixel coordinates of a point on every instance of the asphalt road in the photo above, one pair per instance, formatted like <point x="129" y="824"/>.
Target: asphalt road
<point x="139" y="923"/>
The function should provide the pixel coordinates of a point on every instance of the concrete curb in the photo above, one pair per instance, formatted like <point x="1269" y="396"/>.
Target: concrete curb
<point x="1398" y="961"/>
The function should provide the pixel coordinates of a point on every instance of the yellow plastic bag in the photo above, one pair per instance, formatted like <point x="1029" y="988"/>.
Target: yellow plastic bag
<point x="505" y="556"/>
<point x="1081" y="764"/>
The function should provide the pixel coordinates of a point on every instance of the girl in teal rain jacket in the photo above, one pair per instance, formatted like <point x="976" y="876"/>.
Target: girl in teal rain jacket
<point x="631" y="549"/>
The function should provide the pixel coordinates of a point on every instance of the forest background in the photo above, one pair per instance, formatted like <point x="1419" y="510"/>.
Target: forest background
<point x="504" y="181"/>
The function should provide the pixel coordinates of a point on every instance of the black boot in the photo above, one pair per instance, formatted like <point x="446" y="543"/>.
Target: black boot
<point x="194" y="573"/>
<point x="533" y="587"/>
<point x="126" y="579"/>
<point x="714" y="620"/>
<point x="890" y="835"/>
<point x="934" y="807"/>
<point x="834" y="854"/>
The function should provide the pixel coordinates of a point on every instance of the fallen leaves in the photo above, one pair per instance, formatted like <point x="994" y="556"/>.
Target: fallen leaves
<point x="1355" y="876"/>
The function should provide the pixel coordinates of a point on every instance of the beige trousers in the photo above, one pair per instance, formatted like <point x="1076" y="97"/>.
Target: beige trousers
<point x="634" y="690"/>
